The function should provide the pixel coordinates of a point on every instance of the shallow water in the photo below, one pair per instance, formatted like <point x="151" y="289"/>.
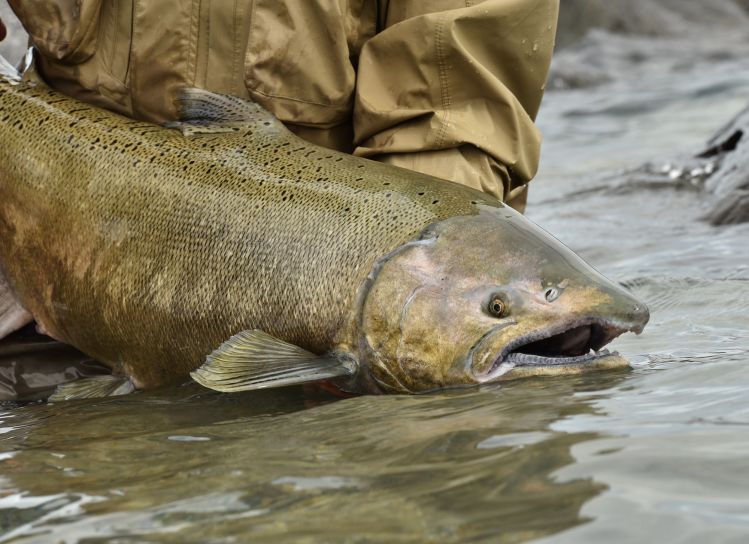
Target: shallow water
<point x="657" y="453"/>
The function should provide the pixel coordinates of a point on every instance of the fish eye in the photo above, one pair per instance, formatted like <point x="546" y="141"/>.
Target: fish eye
<point x="497" y="307"/>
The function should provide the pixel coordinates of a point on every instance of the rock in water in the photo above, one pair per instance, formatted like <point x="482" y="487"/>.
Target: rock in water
<point x="728" y="151"/>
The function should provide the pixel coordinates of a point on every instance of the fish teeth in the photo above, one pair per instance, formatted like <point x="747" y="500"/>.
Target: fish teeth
<point x="515" y="358"/>
<point x="537" y="360"/>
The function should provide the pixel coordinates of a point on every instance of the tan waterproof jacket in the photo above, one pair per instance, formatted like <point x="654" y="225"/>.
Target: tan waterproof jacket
<point x="446" y="87"/>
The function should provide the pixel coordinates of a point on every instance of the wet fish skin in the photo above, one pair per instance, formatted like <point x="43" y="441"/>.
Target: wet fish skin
<point x="428" y="308"/>
<point x="147" y="249"/>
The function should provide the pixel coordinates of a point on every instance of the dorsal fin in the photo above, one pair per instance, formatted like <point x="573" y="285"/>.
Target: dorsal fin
<point x="202" y="111"/>
<point x="256" y="360"/>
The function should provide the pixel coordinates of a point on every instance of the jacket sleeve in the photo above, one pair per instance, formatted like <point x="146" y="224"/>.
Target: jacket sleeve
<point x="468" y="80"/>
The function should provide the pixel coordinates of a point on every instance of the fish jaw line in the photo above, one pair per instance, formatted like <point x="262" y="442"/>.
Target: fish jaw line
<point x="509" y="360"/>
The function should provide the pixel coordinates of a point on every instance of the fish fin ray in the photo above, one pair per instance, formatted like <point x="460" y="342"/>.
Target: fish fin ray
<point x="13" y="315"/>
<point x="253" y="360"/>
<point x="8" y="71"/>
<point x="92" y="388"/>
<point x="210" y="113"/>
<point x="189" y="129"/>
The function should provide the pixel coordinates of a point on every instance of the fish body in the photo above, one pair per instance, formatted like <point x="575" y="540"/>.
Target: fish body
<point x="148" y="247"/>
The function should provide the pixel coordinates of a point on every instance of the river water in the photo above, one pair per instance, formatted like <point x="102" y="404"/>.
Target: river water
<point x="655" y="454"/>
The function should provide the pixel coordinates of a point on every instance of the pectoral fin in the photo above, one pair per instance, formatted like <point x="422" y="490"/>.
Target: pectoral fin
<point x="255" y="360"/>
<point x="92" y="388"/>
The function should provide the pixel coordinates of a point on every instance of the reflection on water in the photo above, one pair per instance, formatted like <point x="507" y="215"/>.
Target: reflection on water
<point x="168" y="465"/>
<point x="569" y="459"/>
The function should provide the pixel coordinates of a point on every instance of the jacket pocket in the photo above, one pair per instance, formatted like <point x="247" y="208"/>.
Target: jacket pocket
<point x="297" y="62"/>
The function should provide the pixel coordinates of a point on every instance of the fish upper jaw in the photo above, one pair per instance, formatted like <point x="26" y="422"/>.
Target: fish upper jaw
<point x="573" y="345"/>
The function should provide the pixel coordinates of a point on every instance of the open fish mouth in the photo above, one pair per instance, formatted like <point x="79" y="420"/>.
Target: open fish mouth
<point x="573" y="348"/>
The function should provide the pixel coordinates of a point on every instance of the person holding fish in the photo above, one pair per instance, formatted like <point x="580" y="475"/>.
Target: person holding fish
<point x="449" y="88"/>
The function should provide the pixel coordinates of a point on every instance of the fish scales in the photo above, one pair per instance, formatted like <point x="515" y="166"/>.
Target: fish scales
<point x="147" y="249"/>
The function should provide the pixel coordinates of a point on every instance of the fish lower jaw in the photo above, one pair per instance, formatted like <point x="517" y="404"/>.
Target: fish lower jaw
<point x="517" y="365"/>
<point x="566" y="348"/>
<point x="526" y="359"/>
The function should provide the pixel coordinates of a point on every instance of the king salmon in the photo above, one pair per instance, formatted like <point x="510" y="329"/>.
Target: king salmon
<point x="226" y="248"/>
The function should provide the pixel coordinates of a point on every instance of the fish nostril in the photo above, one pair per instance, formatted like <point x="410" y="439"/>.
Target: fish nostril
<point x="552" y="294"/>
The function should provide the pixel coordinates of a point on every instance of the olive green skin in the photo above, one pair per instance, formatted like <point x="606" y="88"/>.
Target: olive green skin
<point x="147" y="249"/>
<point x="427" y="322"/>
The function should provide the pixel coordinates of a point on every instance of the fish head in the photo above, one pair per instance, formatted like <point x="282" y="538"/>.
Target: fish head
<point x="485" y="298"/>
